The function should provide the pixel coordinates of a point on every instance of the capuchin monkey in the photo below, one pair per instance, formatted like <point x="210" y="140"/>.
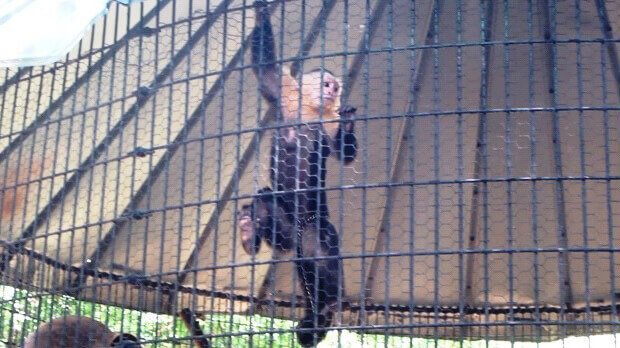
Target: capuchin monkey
<point x="288" y="218"/>
<point x="78" y="332"/>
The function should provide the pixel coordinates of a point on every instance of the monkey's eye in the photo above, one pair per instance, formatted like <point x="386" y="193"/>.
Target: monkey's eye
<point x="326" y="84"/>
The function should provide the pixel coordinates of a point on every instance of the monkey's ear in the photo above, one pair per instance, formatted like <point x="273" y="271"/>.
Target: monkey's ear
<point x="125" y="340"/>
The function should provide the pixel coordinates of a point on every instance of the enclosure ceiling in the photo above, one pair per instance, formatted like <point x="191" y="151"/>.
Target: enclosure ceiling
<point x="486" y="184"/>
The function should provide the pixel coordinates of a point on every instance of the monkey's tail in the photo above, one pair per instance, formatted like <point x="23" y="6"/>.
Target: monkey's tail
<point x="307" y="331"/>
<point x="312" y="328"/>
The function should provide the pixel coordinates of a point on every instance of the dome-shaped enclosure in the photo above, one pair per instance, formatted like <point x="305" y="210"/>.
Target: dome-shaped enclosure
<point x="484" y="201"/>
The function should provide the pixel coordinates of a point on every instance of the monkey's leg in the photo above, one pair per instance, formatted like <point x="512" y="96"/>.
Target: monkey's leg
<point x="320" y="279"/>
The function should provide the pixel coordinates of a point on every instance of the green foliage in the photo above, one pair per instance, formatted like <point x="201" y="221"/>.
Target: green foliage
<point x="21" y="311"/>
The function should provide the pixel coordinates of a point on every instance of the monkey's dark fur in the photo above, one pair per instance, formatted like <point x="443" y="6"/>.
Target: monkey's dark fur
<point x="286" y="218"/>
<point x="78" y="332"/>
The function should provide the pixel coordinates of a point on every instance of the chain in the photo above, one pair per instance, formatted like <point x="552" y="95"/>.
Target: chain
<point x="301" y="224"/>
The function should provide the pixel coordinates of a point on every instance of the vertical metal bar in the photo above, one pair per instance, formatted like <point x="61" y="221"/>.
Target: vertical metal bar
<point x="101" y="248"/>
<point x="174" y="299"/>
<point x="126" y="287"/>
<point x="508" y="166"/>
<point x="62" y="194"/>
<point x="203" y="132"/>
<point x="566" y="295"/>
<point x="280" y="120"/>
<point x="460" y="155"/>
<point x="320" y="141"/>
<point x="236" y="177"/>
<point x="97" y="93"/>
<point x="84" y="256"/>
<point x="56" y="162"/>
<point x="480" y="192"/>
<point x="583" y="173"/>
<point x="365" y="61"/>
<point x="81" y="142"/>
<point x="371" y="25"/>
<point x="436" y="108"/>
<point x="25" y="272"/>
<point x="413" y="69"/>
<point x="610" y="42"/>
<point x="141" y="292"/>
<point x="389" y="166"/>
<point x="533" y="169"/>
<point x="218" y="175"/>
<point x="611" y="237"/>
<point x="344" y="77"/>
<point x="170" y="101"/>
<point x="487" y="24"/>
<point x="43" y="169"/>
<point x="193" y="328"/>
<point x="256" y="154"/>
<point x="113" y="82"/>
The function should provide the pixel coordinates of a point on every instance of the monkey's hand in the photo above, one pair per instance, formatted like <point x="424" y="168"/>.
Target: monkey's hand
<point x="248" y="230"/>
<point x="347" y="112"/>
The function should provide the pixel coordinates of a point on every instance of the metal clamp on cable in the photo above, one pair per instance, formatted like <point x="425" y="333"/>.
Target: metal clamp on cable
<point x="140" y="152"/>
<point x="137" y="214"/>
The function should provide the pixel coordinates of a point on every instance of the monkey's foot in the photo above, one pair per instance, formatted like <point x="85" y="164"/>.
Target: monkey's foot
<point x="247" y="230"/>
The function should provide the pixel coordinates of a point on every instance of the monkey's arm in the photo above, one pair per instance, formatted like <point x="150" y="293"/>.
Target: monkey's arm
<point x="345" y="143"/>
<point x="266" y="69"/>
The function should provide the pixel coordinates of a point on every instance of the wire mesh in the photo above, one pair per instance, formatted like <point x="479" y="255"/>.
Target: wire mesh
<point x="482" y="205"/>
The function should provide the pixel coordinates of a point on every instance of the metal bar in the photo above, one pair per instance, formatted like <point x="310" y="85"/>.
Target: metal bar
<point x="564" y="271"/>
<point x="533" y="163"/>
<point x="608" y="190"/>
<point x="480" y="165"/>
<point x="166" y="287"/>
<point x="607" y="31"/>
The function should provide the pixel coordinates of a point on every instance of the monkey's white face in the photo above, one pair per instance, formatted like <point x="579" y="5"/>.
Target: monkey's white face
<point x="326" y="91"/>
